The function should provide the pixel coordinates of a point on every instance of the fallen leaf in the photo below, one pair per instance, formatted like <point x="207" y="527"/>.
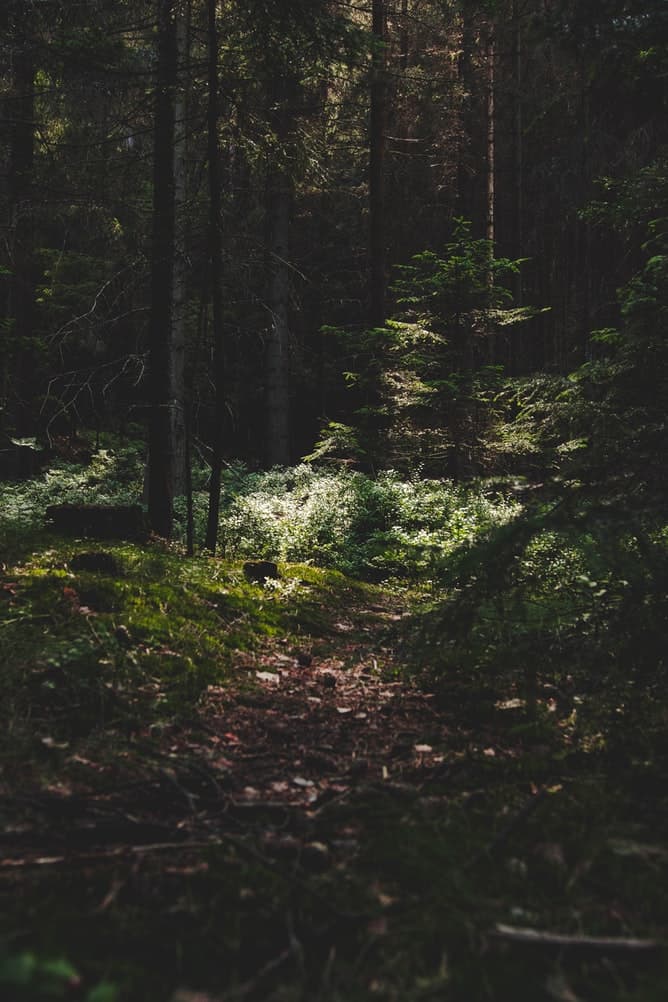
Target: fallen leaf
<point x="315" y="856"/>
<point x="189" y="870"/>
<point x="280" y="786"/>
<point x="509" y="704"/>
<point x="268" y="676"/>
<point x="50" y="742"/>
<point x="384" y="899"/>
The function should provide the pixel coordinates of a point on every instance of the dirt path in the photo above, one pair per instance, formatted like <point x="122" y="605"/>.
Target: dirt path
<point x="319" y="829"/>
<point x="251" y="822"/>
<point x="295" y="730"/>
<point x="318" y="724"/>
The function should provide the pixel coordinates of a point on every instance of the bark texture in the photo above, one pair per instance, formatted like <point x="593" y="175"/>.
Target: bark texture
<point x="377" y="130"/>
<point x="216" y="271"/>
<point x="161" y="452"/>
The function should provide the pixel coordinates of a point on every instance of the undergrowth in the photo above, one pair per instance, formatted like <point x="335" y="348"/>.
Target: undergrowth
<point x="381" y="527"/>
<point x="564" y="608"/>
<point x="116" y="652"/>
<point x="542" y="636"/>
<point x="372" y="527"/>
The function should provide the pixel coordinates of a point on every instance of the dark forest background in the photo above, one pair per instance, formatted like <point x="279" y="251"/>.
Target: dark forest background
<point x="333" y="525"/>
<point x="489" y="177"/>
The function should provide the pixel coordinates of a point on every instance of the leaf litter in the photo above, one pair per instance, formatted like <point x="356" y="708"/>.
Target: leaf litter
<point x="359" y="793"/>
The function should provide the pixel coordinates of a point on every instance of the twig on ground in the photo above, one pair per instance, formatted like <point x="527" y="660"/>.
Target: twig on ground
<point x="560" y="941"/>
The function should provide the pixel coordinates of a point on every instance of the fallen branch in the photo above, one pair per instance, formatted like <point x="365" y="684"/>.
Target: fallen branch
<point x="561" y="941"/>
<point x="103" y="855"/>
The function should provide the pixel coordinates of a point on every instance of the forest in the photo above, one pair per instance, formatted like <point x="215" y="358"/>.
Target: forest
<point x="333" y="514"/>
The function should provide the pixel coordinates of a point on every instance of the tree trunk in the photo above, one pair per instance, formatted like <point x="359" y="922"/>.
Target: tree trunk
<point x="161" y="451"/>
<point x="518" y="178"/>
<point x="490" y="227"/>
<point x="377" y="130"/>
<point x="277" y="360"/>
<point x="403" y="59"/>
<point x="21" y="224"/>
<point x="216" y="267"/>
<point x="180" y="256"/>
<point x="465" y="194"/>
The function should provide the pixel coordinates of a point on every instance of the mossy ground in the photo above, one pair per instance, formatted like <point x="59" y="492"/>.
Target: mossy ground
<point x="175" y="823"/>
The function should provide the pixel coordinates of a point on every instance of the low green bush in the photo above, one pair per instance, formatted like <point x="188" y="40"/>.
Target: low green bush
<point x="567" y="603"/>
<point x="373" y="527"/>
<point x="363" y="526"/>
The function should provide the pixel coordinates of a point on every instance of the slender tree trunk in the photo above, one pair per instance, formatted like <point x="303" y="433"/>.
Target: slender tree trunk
<point x="216" y="266"/>
<point x="21" y="224"/>
<point x="490" y="229"/>
<point x="518" y="126"/>
<point x="277" y="360"/>
<point x="465" y="199"/>
<point x="377" y="252"/>
<point x="181" y="232"/>
<point x="491" y="143"/>
<point x="403" y="61"/>
<point x="161" y="453"/>
<point x="188" y="486"/>
<point x="583" y="227"/>
<point x="515" y="343"/>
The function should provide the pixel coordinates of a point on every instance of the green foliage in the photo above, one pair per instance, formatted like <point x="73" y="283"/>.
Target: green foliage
<point x="360" y="525"/>
<point x="571" y="596"/>
<point x="338" y="442"/>
<point x="113" y="476"/>
<point x="426" y="379"/>
<point x="26" y="976"/>
<point x="337" y="518"/>
<point x="81" y="651"/>
<point x="537" y="423"/>
<point x="464" y="280"/>
<point x="604" y="425"/>
<point x="88" y="651"/>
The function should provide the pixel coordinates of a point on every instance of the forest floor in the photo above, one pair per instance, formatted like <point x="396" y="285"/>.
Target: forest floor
<point x="320" y="827"/>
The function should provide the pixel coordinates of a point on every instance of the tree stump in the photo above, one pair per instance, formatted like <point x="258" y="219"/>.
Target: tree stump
<point x="260" y="571"/>
<point x="113" y="521"/>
